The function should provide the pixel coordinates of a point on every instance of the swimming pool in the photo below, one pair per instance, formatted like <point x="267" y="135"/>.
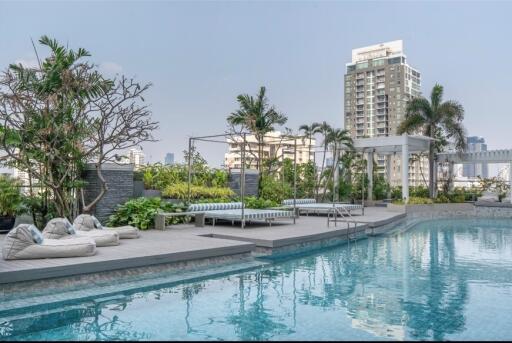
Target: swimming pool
<point x="442" y="280"/>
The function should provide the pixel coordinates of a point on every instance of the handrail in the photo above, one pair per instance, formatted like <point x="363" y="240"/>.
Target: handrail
<point x="338" y="210"/>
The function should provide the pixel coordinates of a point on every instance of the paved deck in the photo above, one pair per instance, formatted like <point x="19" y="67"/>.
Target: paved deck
<point x="153" y="247"/>
<point x="186" y="242"/>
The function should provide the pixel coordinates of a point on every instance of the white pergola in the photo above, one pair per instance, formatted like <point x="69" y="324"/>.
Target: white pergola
<point x="490" y="156"/>
<point x="389" y="146"/>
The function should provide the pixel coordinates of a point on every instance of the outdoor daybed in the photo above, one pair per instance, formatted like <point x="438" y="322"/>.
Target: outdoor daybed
<point x="231" y="211"/>
<point x="86" y="222"/>
<point x="61" y="228"/>
<point x="489" y="197"/>
<point x="311" y="206"/>
<point x="26" y="242"/>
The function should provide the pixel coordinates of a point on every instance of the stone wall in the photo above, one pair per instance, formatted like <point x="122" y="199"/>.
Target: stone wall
<point x="251" y="181"/>
<point x="120" y="182"/>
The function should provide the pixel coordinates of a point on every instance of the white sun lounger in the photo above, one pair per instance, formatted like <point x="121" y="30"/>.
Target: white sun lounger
<point x="26" y="242"/>
<point x="311" y="206"/>
<point x="231" y="211"/>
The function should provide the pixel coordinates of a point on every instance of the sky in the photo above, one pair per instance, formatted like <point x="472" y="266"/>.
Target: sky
<point x="200" y="55"/>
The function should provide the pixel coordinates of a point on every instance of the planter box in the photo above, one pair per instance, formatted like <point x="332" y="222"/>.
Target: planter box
<point x="152" y="193"/>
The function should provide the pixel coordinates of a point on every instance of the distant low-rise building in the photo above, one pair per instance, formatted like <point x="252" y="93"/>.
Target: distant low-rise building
<point x="275" y="146"/>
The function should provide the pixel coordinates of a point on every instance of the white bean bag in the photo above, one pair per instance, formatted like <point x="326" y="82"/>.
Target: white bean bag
<point x="26" y="242"/>
<point x="61" y="228"/>
<point x="86" y="222"/>
<point x="489" y="196"/>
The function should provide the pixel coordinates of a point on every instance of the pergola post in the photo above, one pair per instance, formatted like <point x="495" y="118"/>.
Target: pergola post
<point x="369" y="170"/>
<point x="510" y="180"/>
<point x="405" y="169"/>
<point x="389" y="174"/>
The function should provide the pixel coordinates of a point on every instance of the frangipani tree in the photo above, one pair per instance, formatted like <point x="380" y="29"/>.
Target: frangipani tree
<point x="63" y="114"/>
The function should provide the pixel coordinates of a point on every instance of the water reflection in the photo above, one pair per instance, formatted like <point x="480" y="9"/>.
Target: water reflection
<point x="412" y="285"/>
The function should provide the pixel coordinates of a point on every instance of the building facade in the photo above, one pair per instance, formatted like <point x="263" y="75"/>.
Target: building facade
<point x="378" y="84"/>
<point x="476" y="144"/>
<point x="169" y="158"/>
<point x="275" y="146"/>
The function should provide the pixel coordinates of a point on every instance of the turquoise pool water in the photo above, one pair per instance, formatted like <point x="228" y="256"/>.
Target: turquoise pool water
<point x="441" y="280"/>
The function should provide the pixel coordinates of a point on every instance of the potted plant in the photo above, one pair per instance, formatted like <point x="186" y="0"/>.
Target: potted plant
<point x="10" y="202"/>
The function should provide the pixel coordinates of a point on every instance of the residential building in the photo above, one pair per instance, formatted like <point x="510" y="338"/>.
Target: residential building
<point x="378" y="84"/>
<point x="135" y="157"/>
<point x="476" y="144"/>
<point x="275" y="145"/>
<point x="169" y="158"/>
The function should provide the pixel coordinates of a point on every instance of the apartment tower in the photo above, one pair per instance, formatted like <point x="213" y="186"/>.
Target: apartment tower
<point x="378" y="84"/>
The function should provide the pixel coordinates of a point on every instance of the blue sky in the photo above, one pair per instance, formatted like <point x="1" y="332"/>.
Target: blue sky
<point x="201" y="55"/>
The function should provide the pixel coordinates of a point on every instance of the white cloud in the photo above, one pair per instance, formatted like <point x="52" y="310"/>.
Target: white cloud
<point x="110" y="68"/>
<point x="27" y="63"/>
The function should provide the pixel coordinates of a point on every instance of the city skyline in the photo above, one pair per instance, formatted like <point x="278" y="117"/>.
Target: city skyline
<point x="204" y="57"/>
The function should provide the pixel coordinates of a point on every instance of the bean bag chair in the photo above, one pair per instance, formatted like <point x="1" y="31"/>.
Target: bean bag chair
<point x="61" y="228"/>
<point x="489" y="197"/>
<point x="26" y="242"/>
<point x="86" y="222"/>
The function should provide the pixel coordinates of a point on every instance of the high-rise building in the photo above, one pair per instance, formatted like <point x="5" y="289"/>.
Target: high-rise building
<point x="274" y="146"/>
<point x="476" y="144"/>
<point x="169" y="158"/>
<point x="136" y="158"/>
<point x="378" y="84"/>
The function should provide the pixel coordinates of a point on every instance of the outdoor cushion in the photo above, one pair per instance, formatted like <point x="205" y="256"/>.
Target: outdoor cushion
<point x="86" y="222"/>
<point x="489" y="196"/>
<point x="19" y="244"/>
<point x="299" y="201"/>
<point x="214" y="206"/>
<point x="58" y="228"/>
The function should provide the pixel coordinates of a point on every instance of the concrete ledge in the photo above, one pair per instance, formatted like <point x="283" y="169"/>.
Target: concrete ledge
<point x="281" y="242"/>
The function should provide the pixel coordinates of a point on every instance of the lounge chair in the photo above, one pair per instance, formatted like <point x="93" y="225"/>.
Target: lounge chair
<point x="86" y="222"/>
<point x="26" y="242"/>
<point x="231" y="211"/>
<point x="61" y="228"/>
<point x="310" y="205"/>
<point x="489" y="196"/>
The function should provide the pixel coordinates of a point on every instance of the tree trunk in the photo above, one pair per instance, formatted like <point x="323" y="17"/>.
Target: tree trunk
<point x="431" y="171"/>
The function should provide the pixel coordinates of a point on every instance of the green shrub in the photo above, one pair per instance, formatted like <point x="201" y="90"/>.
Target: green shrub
<point x="274" y="190"/>
<point x="415" y="201"/>
<point x="180" y="191"/>
<point x="442" y="199"/>
<point x="11" y="200"/>
<point x="259" y="203"/>
<point x="140" y="212"/>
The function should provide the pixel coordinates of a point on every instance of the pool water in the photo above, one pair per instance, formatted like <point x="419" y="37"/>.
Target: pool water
<point x="440" y="280"/>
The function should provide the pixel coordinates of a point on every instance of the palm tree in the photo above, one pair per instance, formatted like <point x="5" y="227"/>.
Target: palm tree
<point x="436" y="119"/>
<point x="337" y="138"/>
<point x="309" y="131"/>
<point x="256" y="116"/>
<point x="324" y="129"/>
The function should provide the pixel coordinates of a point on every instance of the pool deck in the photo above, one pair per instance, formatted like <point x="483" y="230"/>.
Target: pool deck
<point x="181" y="243"/>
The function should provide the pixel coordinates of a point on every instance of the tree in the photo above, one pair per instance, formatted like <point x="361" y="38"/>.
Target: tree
<point x="435" y="119"/>
<point x="324" y="129"/>
<point x="309" y="132"/>
<point x="61" y="115"/>
<point x="256" y="116"/>
<point x="338" y="139"/>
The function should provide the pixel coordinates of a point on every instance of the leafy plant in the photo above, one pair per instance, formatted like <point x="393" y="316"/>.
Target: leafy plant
<point x="140" y="212"/>
<point x="274" y="190"/>
<point x="180" y="191"/>
<point x="259" y="203"/>
<point x="11" y="200"/>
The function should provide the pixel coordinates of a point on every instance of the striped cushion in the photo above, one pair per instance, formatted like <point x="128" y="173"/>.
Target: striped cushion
<point x="249" y="214"/>
<point x="299" y="201"/>
<point x="214" y="206"/>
